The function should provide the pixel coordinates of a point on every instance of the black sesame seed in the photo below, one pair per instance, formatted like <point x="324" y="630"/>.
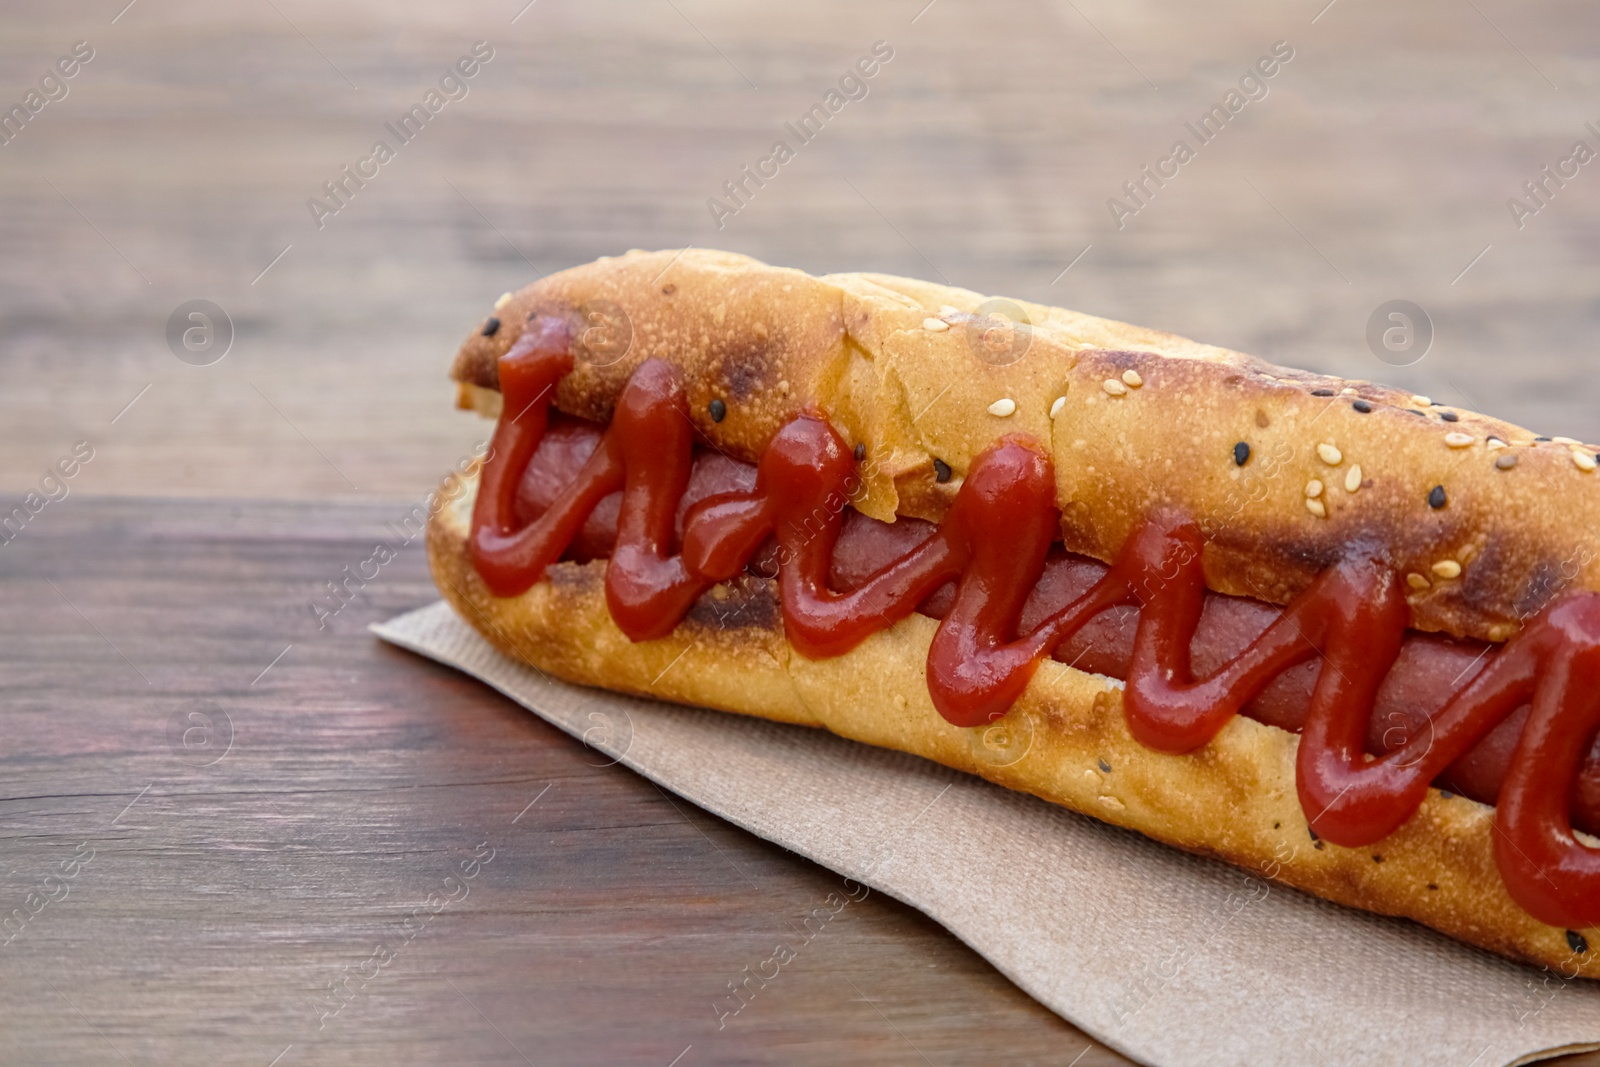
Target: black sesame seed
<point x="1376" y="858"/>
<point x="718" y="409"/>
<point x="1361" y="406"/>
<point x="1446" y="794"/>
<point x="1105" y="767"/>
<point x="1431" y="885"/>
<point x="1449" y="416"/>
<point x="1322" y="392"/>
<point x="1577" y="942"/>
<point x="669" y="289"/>
<point x="1413" y="411"/>
<point x="1436" y="497"/>
<point x="1317" y="843"/>
<point x="860" y="453"/>
<point x="1541" y="438"/>
<point x="941" y="471"/>
<point x="1241" y="454"/>
<point x="491" y="327"/>
<point x="1277" y="825"/>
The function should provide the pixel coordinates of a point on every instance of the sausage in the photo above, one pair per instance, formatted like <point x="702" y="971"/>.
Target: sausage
<point x="1429" y="669"/>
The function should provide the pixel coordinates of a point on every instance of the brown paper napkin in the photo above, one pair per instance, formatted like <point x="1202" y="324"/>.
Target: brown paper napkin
<point x="1166" y="957"/>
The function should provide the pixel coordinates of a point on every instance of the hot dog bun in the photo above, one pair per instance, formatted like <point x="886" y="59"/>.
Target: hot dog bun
<point x="770" y="341"/>
<point x="911" y="371"/>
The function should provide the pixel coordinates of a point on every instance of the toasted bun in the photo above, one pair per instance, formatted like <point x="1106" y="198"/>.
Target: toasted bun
<point x="910" y="371"/>
<point x="770" y="341"/>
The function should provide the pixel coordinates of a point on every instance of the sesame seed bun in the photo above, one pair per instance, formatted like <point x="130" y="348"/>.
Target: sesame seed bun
<point x="1284" y="470"/>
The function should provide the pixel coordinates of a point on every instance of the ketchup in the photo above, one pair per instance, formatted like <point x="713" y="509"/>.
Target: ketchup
<point x="679" y="531"/>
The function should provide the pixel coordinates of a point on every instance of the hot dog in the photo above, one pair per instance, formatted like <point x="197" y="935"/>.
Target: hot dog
<point x="780" y="494"/>
<point x="1428" y="669"/>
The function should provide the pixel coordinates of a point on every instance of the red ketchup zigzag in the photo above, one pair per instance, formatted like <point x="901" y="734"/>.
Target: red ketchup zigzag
<point x="993" y="543"/>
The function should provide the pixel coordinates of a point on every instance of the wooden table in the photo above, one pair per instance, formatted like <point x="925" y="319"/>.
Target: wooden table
<point x="221" y="898"/>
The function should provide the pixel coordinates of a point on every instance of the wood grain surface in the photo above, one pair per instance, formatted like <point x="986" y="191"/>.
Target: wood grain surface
<point x="233" y="874"/>
<point x="1377" y="167"/>
<point x="177" y="166"/>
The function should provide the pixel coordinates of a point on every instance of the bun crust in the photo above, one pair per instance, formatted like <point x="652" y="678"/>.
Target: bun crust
<point x="1486" y="522"/>
<point x="903" y="367"/>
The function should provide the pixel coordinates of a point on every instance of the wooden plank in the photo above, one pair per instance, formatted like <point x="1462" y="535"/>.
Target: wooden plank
<point x="219" y="901"/>
<point x="1378" y="167"/>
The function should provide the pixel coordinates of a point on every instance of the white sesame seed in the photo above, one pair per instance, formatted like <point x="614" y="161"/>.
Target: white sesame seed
<point x="1114" y="387"/>
<point x="1583" y="461"/>
<point x="1131" y="378"/>
<point x="1495" y="444"/>
<point x="1458" y="439"/>
<point x="505" y="298"/>
<point x="1421" y="401"/>
<point x="1003" y="407"/>
<point x="1447" y="568"/>
<point x="1564" y="441"/>
<point x="1314" y="488"/>
<point x="935" y="325"/>
<point x="946" y="310"/>
<point x="1352" y="478"/>
<point x="1417" y="581"/>
<point x="1330" y="455"/>
<point x="1055" y="408"/>
<point x="1316" y="508"/>
<point x="1347" y="391"/>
